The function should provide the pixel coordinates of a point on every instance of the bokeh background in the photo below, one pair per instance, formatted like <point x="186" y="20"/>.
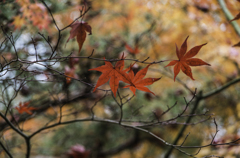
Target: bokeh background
<point x="151" y="26"/>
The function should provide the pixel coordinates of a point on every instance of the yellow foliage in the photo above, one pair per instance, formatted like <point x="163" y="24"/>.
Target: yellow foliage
<point x="35" y="13"/>
<point x="18" y="21"/>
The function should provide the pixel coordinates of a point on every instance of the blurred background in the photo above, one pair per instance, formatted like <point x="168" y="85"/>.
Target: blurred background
<point x="139" y="29"/>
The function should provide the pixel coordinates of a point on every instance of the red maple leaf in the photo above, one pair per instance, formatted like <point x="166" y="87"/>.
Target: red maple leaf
<point x="137" y="81"/>
<point x="185" y="60"/>
<point x="114" y="73"/>
<point x="79" y="29"/>
<point x="23" y="107"/>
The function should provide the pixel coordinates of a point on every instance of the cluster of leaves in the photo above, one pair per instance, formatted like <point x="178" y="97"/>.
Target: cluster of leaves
<point x="116" y="74"/>
<point x="35" y="13"/>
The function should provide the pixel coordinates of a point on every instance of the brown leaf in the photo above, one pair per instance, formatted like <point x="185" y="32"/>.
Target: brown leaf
<point x="79" y="29"/>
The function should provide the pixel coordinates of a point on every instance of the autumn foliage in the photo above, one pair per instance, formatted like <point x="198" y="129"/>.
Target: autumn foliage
<point x="116" y="74"/>
<point x="35" y="13"/>
<point x="66" y="94"/>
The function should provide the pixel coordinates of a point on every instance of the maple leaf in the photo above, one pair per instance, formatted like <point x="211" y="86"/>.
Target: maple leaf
<point x="185" y="60"/>
<point x="137" y="81"/>
<point x="131" y="50"/>
<point x="79" y="29"/>
<point x="114" y="73"/>
<point x="23" y="107"/>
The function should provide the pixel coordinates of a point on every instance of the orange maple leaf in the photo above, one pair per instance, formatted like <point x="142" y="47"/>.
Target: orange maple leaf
<point x="23" y="107"/>
<point x="79" y="29"/>
<point x="137" y="81"/>
<point x="114" y="73"/>
<point x="185" y="60"/>
<point x="131" y="50"/>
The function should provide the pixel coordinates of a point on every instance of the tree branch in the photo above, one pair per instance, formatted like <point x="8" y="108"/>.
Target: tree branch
<point x="229" y="16"/>
<point x="218" y="90"/>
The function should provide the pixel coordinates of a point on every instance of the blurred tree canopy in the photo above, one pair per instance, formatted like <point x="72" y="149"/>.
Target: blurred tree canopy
<point x="146" y="31"/>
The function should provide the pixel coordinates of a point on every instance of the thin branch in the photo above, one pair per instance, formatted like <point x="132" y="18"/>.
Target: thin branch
<point x="184" y="127"/>
<point x="177" y="147"/>
<point x="216" y="91"/>
<point x="85" y="12"/>
<point x="216" y="130"/>
<point x="6" y="150"/>
<point x="3" y="42"/>
<point x="96" y="104"/>
<point x="11" y="40"/>
<point x="12" y="126"/>
<point x="50" y="12"/>
<point x="185" y="139"/>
